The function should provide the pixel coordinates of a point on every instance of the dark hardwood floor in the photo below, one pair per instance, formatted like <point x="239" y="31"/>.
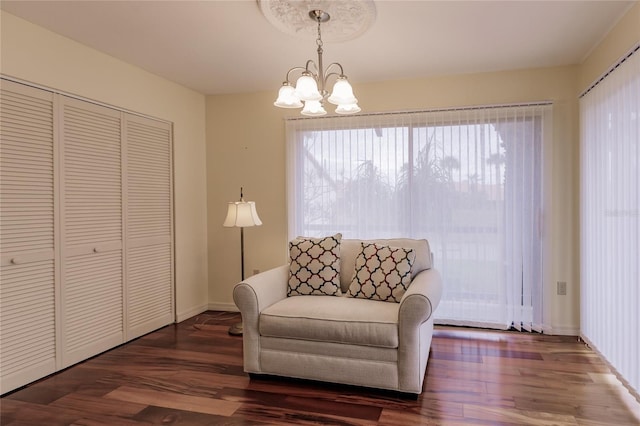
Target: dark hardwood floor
<point x="191" y="374"/>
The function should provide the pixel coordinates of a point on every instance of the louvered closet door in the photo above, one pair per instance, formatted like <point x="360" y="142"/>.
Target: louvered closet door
<point x="149" y="250"/>
<point x="91" y="168"/>
<point x="27" y="269"/>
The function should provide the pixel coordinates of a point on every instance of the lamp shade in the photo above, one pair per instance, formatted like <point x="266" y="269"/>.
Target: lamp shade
<point x="287" y="97"/>
<point x="307" y="88"/>
<point x="348" y="109"/>
<point x="313" y="109"/>
<point x="241" y="214"/>
<point x="342" y="93"/>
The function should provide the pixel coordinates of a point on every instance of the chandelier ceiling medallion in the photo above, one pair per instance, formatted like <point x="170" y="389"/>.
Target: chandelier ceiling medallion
<point x="311" y="88"/>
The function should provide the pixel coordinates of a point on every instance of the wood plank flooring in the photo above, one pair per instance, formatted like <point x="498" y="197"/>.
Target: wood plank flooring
<point x="191" y="374"/>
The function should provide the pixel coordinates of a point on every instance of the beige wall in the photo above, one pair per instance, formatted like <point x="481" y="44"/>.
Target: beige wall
<point x="36" y="55"/>
<point x="246" y="146"/>
<point x="618" y="42"/>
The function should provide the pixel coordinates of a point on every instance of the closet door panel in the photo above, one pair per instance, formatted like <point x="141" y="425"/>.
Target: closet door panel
<point x="27" y="244"/>
<point x="149" y="225"/>
<point x="93" y="299"/>
<point x="92" y="296"/>
<point x="149" y="289"/>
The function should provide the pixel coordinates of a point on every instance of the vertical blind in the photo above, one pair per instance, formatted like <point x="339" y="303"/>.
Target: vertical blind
<point x="469" y="180"/>
<point x="610" y="218"/>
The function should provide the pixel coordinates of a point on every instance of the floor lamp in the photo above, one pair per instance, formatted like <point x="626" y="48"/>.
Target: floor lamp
<point x="241" y="214"/>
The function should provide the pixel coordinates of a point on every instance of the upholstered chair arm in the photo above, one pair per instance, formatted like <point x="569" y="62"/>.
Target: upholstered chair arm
<point x="421" y="298"/>
<point x="262" y="290"/>
<point x="415" y="324"/>
<point x="252" y="296"/>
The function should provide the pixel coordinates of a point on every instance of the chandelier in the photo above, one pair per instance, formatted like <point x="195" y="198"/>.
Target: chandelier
<point x="310" y="88"/>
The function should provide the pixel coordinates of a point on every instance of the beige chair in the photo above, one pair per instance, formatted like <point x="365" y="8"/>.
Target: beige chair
<point x="341" y="339"/>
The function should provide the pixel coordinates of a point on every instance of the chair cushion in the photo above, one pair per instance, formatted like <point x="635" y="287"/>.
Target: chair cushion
<point x="382" y="272"/>
<point x="314" y="266"/>
<point x="349" y="250"/>
<point x="332" y="319"/>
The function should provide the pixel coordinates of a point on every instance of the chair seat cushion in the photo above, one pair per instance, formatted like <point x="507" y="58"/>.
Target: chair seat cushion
<point x="332" y="319"/>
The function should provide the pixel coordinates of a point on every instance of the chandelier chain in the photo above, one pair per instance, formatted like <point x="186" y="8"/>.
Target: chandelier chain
<point x="319" y="39"/>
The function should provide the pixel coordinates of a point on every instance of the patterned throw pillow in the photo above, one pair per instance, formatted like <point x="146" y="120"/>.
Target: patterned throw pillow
<point x="382" y="272"/>
<point x="315" y="266"/>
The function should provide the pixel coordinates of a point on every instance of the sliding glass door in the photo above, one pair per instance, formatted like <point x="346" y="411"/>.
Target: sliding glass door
<point x="467" y="180"/>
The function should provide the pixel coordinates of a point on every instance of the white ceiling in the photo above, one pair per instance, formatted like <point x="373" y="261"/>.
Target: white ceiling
<point x="229" y="46"/>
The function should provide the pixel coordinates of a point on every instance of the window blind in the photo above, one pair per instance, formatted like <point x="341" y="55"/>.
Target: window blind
<point x="610" y="218"/>
<point x="468" y="180"/>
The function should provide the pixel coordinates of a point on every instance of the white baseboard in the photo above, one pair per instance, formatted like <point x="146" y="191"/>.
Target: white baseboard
<point x="226" y="307"/>
<point x="191" y="312"/>
<point x="560" y="330"/>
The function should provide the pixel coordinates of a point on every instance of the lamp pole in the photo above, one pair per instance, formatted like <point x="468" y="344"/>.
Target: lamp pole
<point x="242" y="252"/>
<point x="241" y="214"/>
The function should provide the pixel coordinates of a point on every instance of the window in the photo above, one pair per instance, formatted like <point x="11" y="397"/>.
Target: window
<point x="610" y="217"/>
<point x="468" y="180"/>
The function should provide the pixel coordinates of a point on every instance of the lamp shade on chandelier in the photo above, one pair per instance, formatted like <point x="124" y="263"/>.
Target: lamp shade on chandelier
<point x="309" y="92"/>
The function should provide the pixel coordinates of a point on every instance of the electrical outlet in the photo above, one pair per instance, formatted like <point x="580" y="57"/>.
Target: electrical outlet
<point x="256" y="271"/>
<point x="562" y="288"/>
